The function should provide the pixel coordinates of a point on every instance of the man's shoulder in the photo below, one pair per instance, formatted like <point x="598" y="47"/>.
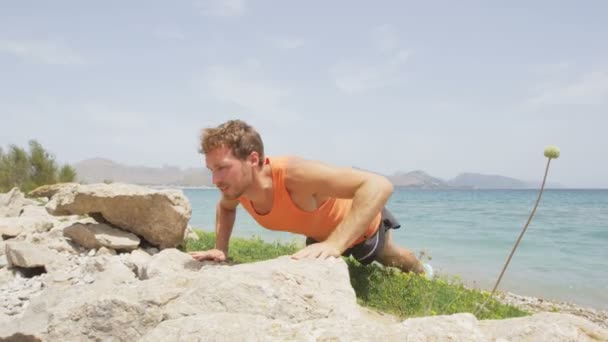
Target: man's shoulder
<point x="283" y="157"/>
<point x="297" y="169"/>
<point x="285" y="161"/>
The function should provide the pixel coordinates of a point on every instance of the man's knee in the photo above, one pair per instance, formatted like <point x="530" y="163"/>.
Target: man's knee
<point x="389" y="252"/>
<point x="393" y="255"/>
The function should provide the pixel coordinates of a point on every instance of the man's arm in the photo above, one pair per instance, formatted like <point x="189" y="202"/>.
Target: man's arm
<point x="369" y="192"/>
<point x="225" y="214"/>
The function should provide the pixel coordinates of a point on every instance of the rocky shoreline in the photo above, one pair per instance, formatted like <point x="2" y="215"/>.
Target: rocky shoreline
<point x="535" y="305"/>
<point x="100" y="262"/>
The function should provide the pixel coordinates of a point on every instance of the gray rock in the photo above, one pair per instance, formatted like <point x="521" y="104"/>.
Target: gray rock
<point x="170" y="261"/>
<point x="53" y="240"/>
<point x="152" y="250"/>
<point x="14" y="226"/>
<point x="213" y="326"/>
<point x="48" y="191"/>
<point x="314" y="289"/>
<point x="95" y="236"/>
<point x="190" y="234"/>
<point x="6" y="276"/>
<point x="160" y="217"/>
<point x="88" y="279"/>
<point x="9" y="227"/>
<point x="544" y="326"/>
<point x="114" y="317"/>
<point x="27" y="255"/>
<point x="62" y="276"/>
<point x="12" y="202"/>
<point x="35" y="211"/>
<point x="105" y="251"/>
<point x="137" y="261"/>
<point x="280" y="299"/>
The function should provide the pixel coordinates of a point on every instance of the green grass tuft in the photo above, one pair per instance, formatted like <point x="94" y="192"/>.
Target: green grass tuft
<point x="410" y="295"/>
<point x="244" y="250"/>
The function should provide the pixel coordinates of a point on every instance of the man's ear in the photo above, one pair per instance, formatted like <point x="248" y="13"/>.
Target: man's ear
<point x="254" y="158"/>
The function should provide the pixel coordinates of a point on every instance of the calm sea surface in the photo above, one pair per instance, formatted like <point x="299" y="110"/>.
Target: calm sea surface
<point x="470" y="233"/>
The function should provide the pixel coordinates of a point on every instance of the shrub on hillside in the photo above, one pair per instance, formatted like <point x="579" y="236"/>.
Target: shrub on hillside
<point x="29" y="170"/>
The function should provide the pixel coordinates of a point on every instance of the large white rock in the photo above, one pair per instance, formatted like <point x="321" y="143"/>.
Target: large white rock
<point x="281" y="299"/>
<point x="314" y="289"/>
<point x="160" y="217"/>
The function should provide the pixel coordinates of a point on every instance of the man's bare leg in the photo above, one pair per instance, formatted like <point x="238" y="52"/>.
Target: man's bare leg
<point x="396" y="256"/>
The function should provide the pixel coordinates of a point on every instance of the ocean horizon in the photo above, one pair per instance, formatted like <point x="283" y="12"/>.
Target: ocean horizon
<point x="469" y="233"/>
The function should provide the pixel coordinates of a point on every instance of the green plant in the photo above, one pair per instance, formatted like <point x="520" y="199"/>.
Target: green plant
<point x="243" y="250"/>
<point x="24" y="170"/>
<point x="550" y="152"/>
<point x="67" y="174"/>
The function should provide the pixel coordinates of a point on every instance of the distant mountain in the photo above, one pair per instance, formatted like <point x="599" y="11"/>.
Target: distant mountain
<point x="99" y="170"/>
<point x="417" y="179"/>
<point x="479" y="181"/>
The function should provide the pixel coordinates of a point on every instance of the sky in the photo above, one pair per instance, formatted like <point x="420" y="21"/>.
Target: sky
<point x="444" y="87"/>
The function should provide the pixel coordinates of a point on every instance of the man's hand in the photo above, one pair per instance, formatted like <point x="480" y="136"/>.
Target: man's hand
<point x="212" y="254"/>
<point x="321" y="250"/>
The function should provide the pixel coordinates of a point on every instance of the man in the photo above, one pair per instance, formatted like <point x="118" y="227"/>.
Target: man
<point x="340" y="210"/>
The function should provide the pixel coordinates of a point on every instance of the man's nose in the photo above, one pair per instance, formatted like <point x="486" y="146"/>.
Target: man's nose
<point x="215" y="178"/>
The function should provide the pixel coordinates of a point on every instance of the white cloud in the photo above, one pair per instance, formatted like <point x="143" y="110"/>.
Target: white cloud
<point x="353" y="77"/>
<point x="46" y="52"/>
<point x="588" y="89"/>
<point x="222" y="8"/>
<point x="241" y="87"/>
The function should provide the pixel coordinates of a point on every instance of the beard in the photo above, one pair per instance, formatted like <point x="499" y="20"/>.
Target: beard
<point x="233" y="195"/>
<point x="237" y="190"/>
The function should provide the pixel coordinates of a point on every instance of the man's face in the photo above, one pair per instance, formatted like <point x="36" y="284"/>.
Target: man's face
<point x="231" y="175"/>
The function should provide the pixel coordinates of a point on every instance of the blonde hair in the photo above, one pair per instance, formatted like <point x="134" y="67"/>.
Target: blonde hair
<point x="237" y="135"/>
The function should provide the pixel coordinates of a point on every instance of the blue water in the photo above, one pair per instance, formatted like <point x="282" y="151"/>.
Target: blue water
<point x="470" y="233"/>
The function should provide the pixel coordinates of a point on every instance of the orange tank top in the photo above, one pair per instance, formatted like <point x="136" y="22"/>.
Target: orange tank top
<point x="286" y="216"/>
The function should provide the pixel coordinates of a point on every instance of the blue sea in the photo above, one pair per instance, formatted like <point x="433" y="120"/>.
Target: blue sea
<point x="469" y="233"/>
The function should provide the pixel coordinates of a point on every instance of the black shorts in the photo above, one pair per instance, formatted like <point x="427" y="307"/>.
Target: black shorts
<point x="367" y="251"/>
